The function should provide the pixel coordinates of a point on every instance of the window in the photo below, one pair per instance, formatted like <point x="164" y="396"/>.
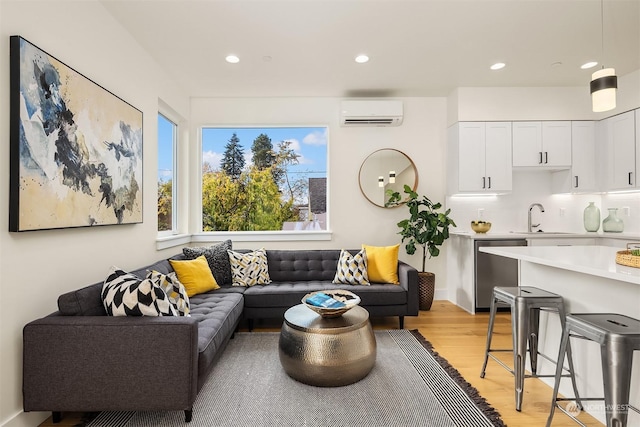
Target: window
<point x="167" y="185"/>
<point x="264" y="179"/>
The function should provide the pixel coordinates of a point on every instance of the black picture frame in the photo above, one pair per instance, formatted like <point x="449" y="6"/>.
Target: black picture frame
<point x="76" y="149"/>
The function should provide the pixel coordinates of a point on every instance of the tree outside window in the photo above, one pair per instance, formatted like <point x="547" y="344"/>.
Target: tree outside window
<point x="251" y="184"/>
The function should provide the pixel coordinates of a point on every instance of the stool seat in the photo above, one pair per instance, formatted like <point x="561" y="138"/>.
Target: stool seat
<point x="619" y="337"/>
<point x="507" y="294"/>
<point x="526" y="303"/>
<point x="605" y="326"/>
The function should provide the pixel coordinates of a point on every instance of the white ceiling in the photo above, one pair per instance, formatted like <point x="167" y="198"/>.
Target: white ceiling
<point x="417" y="48"/>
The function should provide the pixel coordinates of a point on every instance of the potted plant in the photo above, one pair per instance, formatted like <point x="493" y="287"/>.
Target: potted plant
<point x="427" y="228"/>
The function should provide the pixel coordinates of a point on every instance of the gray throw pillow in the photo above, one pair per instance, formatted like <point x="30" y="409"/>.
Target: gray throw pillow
<point x="217" y="258"/>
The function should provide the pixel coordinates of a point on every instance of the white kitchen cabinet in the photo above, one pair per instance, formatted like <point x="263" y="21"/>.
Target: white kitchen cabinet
<point x="479" y="157"/>
<point x="581" y="178"/>
<point x="620" y="147"/>
<point x="637" y="148"/>
<point x="542" y="144"/>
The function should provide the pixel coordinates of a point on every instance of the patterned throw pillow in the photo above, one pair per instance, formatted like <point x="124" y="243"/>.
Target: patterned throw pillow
<point x="124" y="294"/>
<point x="217" y="258"/>
<point x="249" y="269"/>
<point x="176" y="292"/>
<point x="352" y="269"/>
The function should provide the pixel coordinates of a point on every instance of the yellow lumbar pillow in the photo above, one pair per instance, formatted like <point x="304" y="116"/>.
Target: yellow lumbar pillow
<point x="382" y="263"/>
<point x="195" y="275"/>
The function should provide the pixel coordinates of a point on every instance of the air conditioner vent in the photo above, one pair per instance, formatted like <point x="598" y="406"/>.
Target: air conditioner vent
<point x="371" y="113"/>
<point x="368" y="121"/>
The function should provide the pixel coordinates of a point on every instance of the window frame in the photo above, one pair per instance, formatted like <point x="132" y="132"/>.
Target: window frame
<point x="266" y="235"/>
<point x="162" y="112"/>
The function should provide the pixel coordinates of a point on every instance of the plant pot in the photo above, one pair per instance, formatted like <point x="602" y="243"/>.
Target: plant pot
<point x="426" y="290"/>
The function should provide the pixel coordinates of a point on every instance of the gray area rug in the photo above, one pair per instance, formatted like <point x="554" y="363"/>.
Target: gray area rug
<point x="410" y="385"/>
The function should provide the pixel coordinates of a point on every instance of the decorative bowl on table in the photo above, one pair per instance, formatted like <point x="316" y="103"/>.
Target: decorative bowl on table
<point x="349" y="299"/>
<point x="480" y="226"/>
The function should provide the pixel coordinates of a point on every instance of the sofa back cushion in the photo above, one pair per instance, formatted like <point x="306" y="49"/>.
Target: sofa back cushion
<point x="303" y="265"/>
<point x="88" y="302"/>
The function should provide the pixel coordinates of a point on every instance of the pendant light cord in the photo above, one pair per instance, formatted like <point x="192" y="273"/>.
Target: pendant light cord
<point x="602" y="31"/>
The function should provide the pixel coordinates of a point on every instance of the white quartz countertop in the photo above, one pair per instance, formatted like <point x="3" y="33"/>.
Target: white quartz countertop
<point x="630" y="237"/>
<point x="593" y="260"/>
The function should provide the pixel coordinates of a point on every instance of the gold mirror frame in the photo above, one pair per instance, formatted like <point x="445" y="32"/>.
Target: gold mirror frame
<point x="379" y="167"/>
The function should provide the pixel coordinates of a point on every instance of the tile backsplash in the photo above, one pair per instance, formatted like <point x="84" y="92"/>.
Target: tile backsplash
<point x="563" y="212"/>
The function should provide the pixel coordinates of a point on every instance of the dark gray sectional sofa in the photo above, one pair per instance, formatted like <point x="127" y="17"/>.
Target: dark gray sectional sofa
<point x="78" y="359"/>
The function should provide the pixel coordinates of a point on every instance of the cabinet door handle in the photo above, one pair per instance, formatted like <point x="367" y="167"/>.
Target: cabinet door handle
<point x="546" y="157"/>
<point x="489" y="182"/>
<point x="484" y="184"/>
<point x="576" y="186"/>
<point x="540" y="161"/>
<point x="630" y="178"/>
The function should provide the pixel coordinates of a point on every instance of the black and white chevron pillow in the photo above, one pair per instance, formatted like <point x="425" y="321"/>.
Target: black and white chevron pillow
<point x="124" y="294"/>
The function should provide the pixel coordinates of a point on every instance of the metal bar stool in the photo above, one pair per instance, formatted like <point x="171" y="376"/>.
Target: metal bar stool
<point x="526" y="303"/>
<point x="619" y="337"/>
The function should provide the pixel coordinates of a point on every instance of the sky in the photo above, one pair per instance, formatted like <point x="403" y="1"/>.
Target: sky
<point x="308" y="142"/>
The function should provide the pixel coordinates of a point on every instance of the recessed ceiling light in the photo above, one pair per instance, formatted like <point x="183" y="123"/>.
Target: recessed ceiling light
<point x="361" y="59"/>
<point x="232" y="59"/>
<point x="588" y="65"/>
<point x="498" y="66"/>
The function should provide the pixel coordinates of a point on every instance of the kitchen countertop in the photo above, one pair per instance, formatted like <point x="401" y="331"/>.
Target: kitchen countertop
<point x="593" y="260"/>
<point x="630" y="237"/>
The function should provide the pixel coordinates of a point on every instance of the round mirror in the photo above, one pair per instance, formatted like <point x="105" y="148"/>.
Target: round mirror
<point x="384" y="170"/>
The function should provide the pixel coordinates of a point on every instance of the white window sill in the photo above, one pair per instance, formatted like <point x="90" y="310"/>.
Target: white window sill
<point x="171" y="240"/>
<point x="261" y="236"/>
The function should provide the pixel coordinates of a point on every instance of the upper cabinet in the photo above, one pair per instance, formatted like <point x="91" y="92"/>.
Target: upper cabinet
<point x="479" y="157"/>
<point x="542" y="144"/>
<point x="581" y="178"/>
<point x="621" y="146"/>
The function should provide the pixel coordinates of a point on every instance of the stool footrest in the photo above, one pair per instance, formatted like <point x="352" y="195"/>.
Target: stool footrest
<point x="508" y="368"/>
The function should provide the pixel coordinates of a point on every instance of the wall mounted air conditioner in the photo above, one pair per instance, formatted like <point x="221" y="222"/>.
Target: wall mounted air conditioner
<point x="371" y="113"/>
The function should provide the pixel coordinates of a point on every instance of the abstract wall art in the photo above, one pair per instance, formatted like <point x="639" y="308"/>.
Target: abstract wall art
<point x="76" y="148"/>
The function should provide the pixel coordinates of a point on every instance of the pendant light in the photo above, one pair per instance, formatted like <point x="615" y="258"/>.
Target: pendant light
<point x="604" y="83"/>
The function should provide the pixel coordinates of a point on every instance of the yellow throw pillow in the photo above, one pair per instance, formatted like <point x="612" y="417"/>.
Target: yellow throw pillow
<point x="382" y="263"/>
<point x="195" y="275"/>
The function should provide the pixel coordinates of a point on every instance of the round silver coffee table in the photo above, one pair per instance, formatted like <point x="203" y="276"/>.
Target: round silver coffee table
<point x="327" y="352"/>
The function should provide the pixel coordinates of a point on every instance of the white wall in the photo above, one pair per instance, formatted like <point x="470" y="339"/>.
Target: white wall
<point x="537" y="103"/>
<point x="353" y="220"/>
<point x="36" y="267"/>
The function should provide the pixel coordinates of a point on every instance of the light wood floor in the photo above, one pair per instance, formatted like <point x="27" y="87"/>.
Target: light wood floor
<point x="460" y="338"/>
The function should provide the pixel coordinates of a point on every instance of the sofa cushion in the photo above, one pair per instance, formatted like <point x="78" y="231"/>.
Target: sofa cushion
<point x="288" y="294"/>
<point x="249" y="269"/>
<point x="195" y="275"/>
<point x="352" y="269"/>
<point x="217" y="315"/>
<point x="303" y="265"/>
<point x="125" y="294"/>
<point x="217" y="258"/>
<point x="176" y="292"/>
<point x="382" y="263"/>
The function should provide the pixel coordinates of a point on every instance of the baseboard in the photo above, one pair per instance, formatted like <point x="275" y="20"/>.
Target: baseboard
<point x="26" y="419"/>
<point x="441" y="294"/>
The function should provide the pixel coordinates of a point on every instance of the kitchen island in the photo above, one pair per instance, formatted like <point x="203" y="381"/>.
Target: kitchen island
<point x="590" y="281"/>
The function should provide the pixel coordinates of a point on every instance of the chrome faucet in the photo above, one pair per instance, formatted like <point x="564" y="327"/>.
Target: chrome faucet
<point x="530" y="226"/>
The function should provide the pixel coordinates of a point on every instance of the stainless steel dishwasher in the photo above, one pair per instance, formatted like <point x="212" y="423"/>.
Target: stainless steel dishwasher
<point x="493" y="270"/>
